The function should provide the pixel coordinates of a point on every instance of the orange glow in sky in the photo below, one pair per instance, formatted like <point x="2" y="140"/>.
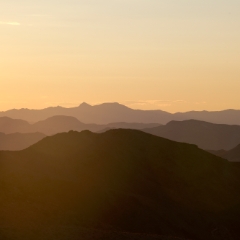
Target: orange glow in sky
<point x="176" y="55"/>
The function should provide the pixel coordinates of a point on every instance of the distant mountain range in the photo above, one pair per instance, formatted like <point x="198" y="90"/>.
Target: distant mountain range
<point x="57" y="124"/>
<point x="113" y="112"/>
<point x="121" y="181"/>
<point x="205" y="135"/>
<point x="19" y="141"/>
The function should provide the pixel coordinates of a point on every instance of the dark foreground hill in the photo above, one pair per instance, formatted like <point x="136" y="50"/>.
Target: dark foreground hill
<point x="122" y="184"/>
<point x="114" y="112"/>
<point x="205" y="135"/>
<point x="232" y="155"/>
<point x="19" y="141"/>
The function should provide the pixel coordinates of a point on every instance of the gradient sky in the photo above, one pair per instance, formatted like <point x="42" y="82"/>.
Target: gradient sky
<point x="174" y="55"/>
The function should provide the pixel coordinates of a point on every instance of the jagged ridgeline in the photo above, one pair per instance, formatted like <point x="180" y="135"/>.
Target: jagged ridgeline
<point x="121" y="184"/>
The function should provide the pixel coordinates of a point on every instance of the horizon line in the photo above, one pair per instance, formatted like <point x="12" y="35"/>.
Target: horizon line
<point x="104" y="103"/>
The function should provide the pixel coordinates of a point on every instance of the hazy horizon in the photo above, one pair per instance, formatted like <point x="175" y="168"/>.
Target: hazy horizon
<point x="174" y="55"/>
<point x="124" y="104"/>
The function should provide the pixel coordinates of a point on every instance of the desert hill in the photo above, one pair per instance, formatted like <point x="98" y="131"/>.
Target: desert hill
<point x="205" y="135"/>
<point x="118" y="181"/>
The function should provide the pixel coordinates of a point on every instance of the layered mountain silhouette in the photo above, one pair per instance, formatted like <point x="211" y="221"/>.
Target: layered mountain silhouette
<point x="99" y="114"/>
<point x="205" y="135"/>
<point x="19" y="141"/>
<point x="57" y="124"/>
<point x="232" y="155"/>
<point x="120" y="181"/>
<point x="114" y="112"/>
<point x="8" y="125"/>
<point x="230" y="117"/>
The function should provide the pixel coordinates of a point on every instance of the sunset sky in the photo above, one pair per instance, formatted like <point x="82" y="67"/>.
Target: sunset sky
<point x="174" y="55"/>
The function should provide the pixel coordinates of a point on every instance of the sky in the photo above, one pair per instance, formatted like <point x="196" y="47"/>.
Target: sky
<point x="174" y="55"/>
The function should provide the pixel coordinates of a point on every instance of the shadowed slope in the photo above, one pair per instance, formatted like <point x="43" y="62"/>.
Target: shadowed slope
<point x="122" y="180"/>
<point x="205" y="135"/>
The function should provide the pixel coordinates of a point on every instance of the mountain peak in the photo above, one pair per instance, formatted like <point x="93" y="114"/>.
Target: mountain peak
<point x="84" y="104"/>
<point x="115" y="105"/>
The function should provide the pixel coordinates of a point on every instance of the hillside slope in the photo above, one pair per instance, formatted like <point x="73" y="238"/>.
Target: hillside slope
<point x="118" y="181"/>
<point x="205" y="135"/>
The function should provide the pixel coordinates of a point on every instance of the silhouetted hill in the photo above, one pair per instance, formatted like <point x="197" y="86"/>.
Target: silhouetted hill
<point x="19" y="141"/>
<point x="114" y="112"/>
<point x="118" y="181"/>
<point x="58" y="124"/>
<point x="8" y="125"/>
<point x="205" y="135"/>
<point x="230" y="116"/>
<point x="100" y="114"/>
<point x="232" y="155"/>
